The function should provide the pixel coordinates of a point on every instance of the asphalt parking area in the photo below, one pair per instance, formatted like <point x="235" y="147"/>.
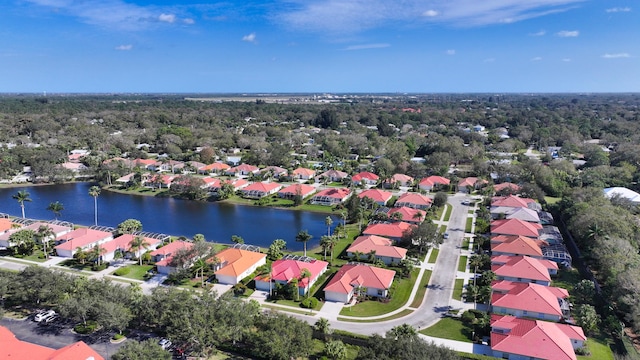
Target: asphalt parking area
<point x="57" y="335"/>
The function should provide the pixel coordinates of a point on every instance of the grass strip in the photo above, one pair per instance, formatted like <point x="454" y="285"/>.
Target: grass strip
<point x="433" y="256"/>
<point x="422" y="289"/>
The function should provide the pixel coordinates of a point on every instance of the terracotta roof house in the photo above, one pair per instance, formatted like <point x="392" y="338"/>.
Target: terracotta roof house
<point x="333" y="175"/>
<point x="512" y="201"/>
<point x="215" y="168"/>
<point x="163" y="255"/>
<point x="123" y="242"/>
<point x="414" y="200"/>
<point x="74" y="167"/>
<point x="472" y="183"/>
<point x="523" y="269"/>
<point x="431" y="182"/>
<point x="171" y="165"/>
<point x="382" y="247"/>
<point x="126" y="178"/>
<point x="242" y="170"/>
<point x="196" y="165"/>
<point x="238" y="183"/>
<point x="367" y="177"/>
<point x="236" y="264"/>
<point x="529" y="300"/>
<point x="285" y="270"/>
<point x="149" y="164"/>
<point x="276" y="171"/>
<point x="398" y="179"/>
<point x="407" y="214"/>
<point x="58" y="230"/>
<point x="5" y="224"/>
<point x="514" y="338"/>
<point x="392" y="231"/>
<point x="525" y="214"/>
<point x="515" y="227"/>
<point x="83" y="238"/>
<point x="518" y="246"/>
<point x="291" y="191"/>
<point x="352" y="277"/>
<point x="331" y="196"/>
<point x="303" y="173"/>
<point x="259" y="190"/>
<point x="159" y="181"/>
<point x="380" y="197"/>
<point x="12" y="348"/>
<point x="506" y="186"/>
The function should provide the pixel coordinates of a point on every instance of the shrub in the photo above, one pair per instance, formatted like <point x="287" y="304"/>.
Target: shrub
<point x="239" y="289"/>
<point x="122" y="271"/>
<point x="102" y="266"/>
<point x="309" y="303"/>
<point x="87" y="328"/>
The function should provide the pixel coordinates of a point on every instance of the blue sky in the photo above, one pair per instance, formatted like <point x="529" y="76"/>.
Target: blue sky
<point x="320" y="46"/>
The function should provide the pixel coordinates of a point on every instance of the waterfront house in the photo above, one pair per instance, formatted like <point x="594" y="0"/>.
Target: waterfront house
<point x="331" y="196"/>
<point x="164" y="255"/>
<point x="414" y="200"/>
<point x="285" y="270"/>
<point x="353" y="278"/>
<point x="516" y="338"/>
<point x="381" y="248"/>
<point x="292" y="191"/>
<point x="123" y="244"/>
<point x="9" y="228"/>
<point x="529" y="300"/>
<point x="380" y="197"/>
<point x="259" y="190"/>
<point x="232" y="264"/>
<point x="430" y="183"/>
<point x="82" y="238"/>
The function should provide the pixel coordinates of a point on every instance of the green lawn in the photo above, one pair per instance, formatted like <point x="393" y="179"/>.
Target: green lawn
<point x="467" y="228"/>
<point x="457" y="289"/>
<point x="422" y="289"/>
<point x="399" y="315"/>
<point x="136" y="272"/>
<point x="465" y="243"/>
<point x="295" y="304"/>
<point x="448" y="328"/>
<point x="438" y="212"/>
<point x="37" y="256"/>
<point x="400" y="291"/>
<point x="462" y="264"/>
<point x="551" y="200"/>
<point x="295" y="311"/>
<point x="447" y="214"/>
<point x="433" y="256"/>
<point x="599" y="349"/>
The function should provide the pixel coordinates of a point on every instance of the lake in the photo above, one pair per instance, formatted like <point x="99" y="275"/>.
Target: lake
<point x="216" y="221"/>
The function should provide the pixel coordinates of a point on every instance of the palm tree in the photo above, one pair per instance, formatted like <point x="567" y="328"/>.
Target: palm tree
<point x="303" y="236"/>
<point x="328" y="221"/>
<point x="21" y="197"/>
<point x="372" y="256"/>
<point x="200" y="266"/>
<point x="56" y="208"/>
<point x="333" y="241"/>
<point x="136" y="244"/>
<point x="324" y="242"/>
<point x="95" y="192"/>
<point x="323" y="326"/>
<point x="80" y="255"/>
<point x="305" y="274"/>
<point x="264" y="272"/>
<point x="44" y="234"/>
<point x="96" y="252"/>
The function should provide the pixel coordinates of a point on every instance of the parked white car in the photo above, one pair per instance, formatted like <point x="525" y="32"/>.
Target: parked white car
<point x="45" y="316"/>
<point x="165" y="344"/>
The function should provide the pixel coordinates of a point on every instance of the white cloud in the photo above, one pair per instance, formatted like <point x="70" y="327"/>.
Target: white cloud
<point x="189" y="21"/>
<point x="367" y="46"/>
<point x="618" y="9"/>
<point x="170" y="18"/>
<point x="566" y="60"/>
<point x="339" y="16"/>
<point x="124" y="47"/>
<point x="450" y="52"/>
<point x="250" y="38"/>
<point x="567" y="33"/>
<point x="539" y="33"/>
<point x="537" y="58"/>
<point x="616" y="56"/>
<point x="430" y="13"/>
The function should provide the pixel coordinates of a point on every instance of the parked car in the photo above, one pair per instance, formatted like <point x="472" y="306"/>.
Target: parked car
<point x="445" y="235"/>
<point x="465" y="202"/>
<point x="165" y="344"/>
<point x="44" y="316"/>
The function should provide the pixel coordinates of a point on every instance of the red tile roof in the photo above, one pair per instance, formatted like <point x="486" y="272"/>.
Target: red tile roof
<point x="506" y="185"/>
<point x="522" y="267"/>
<point x="415" y="199"/>
<point x="262" y="187"/>
<point x="5" y="224"/>
<point x="409" y="214"/>
<point x="236" y="261"/>
<point x="334" y="174"/>
<point x="243" y="168"/>
<point x="337" y="193"/>
<point x="434" y="180"/>
<point x="510" y="201"/>
<point x="515" y="227"/>
<point x="357" y="275"/>
<point x="400" y="177"/>
<point x="393" y="230"/>
<point x="519" y="245"/>
<point x="379" y="196"/>
<point x="535" y="339"/>
<point x="471" y="181"/>
<point x="304" y="172"/>
<point x="217" y="166"/>
<point x="168" y="250"/>
<point x="123" y="241"/>
<point x="382" y="246"/>
<point x="287" y="270"/>
<point x="12" y="348"/>
<point x="81" y="237"/>
<point x="292" y="190"/>
<point x="529" y="297"/>
<point x="364" y="175"/>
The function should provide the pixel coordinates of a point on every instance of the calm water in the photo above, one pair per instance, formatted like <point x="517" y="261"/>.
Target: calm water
<point x="217" y="222"/>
